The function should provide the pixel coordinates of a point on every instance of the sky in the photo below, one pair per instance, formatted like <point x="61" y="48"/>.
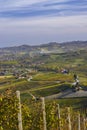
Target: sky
<point x="35" y="22"/>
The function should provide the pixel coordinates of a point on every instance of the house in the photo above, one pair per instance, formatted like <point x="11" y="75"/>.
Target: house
<point x="65" y="71"/>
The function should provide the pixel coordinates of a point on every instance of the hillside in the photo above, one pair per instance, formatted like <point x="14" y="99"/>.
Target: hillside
<point x="39" y="68"/>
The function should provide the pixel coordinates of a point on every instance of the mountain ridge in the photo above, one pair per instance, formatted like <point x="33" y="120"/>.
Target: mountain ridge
<point x="51" y="47"/>
<point x="50" y="43"/>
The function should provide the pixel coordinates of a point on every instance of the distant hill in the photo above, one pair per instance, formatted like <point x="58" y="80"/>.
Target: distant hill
<point x="51" y="47"/>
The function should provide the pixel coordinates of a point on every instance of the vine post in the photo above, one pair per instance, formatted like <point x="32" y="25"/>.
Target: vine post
<point x="44" y="113"/>
<point x="84" y="124"/>
<point x="58" y="110"/>
<point x="69" y="119"/>
<point x="19" y="113"/>
<point x="79" y="121"/>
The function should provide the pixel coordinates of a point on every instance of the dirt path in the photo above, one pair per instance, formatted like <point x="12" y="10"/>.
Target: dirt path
<point x="68" y="94"/>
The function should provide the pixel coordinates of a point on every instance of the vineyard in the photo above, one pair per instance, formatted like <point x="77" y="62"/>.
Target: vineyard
<point x="38" y="115"/>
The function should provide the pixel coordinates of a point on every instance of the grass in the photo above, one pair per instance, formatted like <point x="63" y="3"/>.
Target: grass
<point x="49" y="76"/>
<point x="47" y="90"/>
<point x="4" y="77"/>
<point x="13" y="62"/>
<point x="76" y="103"/>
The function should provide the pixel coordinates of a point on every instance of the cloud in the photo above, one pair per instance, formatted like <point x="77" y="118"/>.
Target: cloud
<point x="38" y="21"/>
<point x="34" y="8"/>
<point x="42" y="30"/>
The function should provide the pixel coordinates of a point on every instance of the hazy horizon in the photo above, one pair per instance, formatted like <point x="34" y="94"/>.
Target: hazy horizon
<point x="37" y="22"/>
<point x="37" y="44"/>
